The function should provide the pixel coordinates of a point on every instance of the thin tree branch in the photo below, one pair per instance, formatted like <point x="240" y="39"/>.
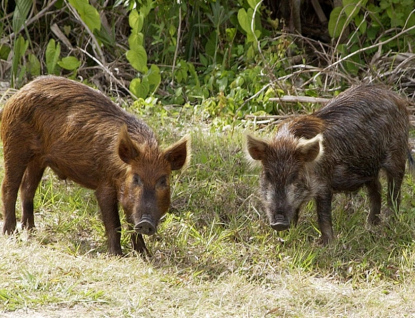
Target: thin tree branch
<point x="35" y="18"/>
<point x="108" y="72"/>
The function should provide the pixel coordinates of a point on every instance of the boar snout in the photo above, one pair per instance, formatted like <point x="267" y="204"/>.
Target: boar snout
<point x="145" y="226"/>
<point x="280" y="223"/>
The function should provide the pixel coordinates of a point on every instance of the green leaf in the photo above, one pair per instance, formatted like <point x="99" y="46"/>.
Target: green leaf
<point x="20" y="14"/>
<point x="223" y="83"/>
<point x="230" y="34"/>
<point x="4" y="51"/>
<point x="33" y="65"/>
<point x="372" y="33"/>
<point x="146" y="8"/>
<point x="19" y="49"/>
<point x="203" y="60"/>
<point x="253" y="3"/>
<point x="350" y="7"/>
<point x="243" y="20"/>
<point x="153" y="75"/>
<point x="136" y="21"/>
<point x="87" y="13"/>
<point x="362" y="24"/>
<point x="69" y="63"/>
<point x="140" y="88"/>
<point x="52" y="55"/>
<point x="138" y="58"/>
<point x="337" y="22"/>
<point x="250" y="52"/>
<point x="135" y="39"/>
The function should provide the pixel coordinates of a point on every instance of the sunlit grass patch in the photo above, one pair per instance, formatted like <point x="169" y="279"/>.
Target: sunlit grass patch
<point x="214" y="253"/>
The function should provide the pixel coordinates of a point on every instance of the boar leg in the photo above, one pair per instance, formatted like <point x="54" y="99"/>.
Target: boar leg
<point x="137" y="239"/>
<point x="394" y="188"/>
<point x="138" y="242"/>
<point x="13" y="174"/>
<point x="31" y="180"/>
<point x="374" y="189"/>
<point x="295" y="218"/>
<point x="108" y="203"/>
<point x="323" y="203"/>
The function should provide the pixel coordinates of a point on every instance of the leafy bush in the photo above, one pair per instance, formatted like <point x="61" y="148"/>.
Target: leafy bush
<point x="227" y="58"/>
<point x="374" y="27"/>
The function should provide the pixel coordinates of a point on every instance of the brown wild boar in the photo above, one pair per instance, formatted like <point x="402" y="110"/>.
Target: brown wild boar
<point x="83" y="136"/>
<point x="339" y="148"/>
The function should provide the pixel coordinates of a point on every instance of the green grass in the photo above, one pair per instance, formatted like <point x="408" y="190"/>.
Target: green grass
<point x="214" y="255"/>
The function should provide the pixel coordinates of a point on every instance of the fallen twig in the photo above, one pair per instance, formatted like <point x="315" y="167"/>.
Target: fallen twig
<point x="268" y="119"/>
<point x="299" y="99"/>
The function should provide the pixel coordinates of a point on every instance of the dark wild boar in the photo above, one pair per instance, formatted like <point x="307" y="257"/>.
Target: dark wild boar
<point x="339" y="148"/>
<point x="83" y="136"/>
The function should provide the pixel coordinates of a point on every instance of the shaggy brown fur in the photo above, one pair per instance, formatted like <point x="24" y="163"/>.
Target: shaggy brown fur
<point x="340" y="148"/>
<point x="83" y="136"/>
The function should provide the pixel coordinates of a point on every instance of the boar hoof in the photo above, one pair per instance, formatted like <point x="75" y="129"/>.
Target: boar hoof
<point x="145" y="226"/>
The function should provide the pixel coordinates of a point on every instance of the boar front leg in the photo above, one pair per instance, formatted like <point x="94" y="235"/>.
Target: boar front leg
<point x="323" y="203"/>
<point x="137" y="239"/>
<point x="296" y="216"/>
<point x="138" y="243"/>
<point x="108" y="203"/>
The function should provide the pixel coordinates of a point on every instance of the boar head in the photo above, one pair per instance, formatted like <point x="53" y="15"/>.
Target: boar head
<point x="287" y="178"/>
<point x="146" y="190"/>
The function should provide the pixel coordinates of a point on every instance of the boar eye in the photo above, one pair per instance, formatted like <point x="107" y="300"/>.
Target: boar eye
<point x="291" y="178"/>
<point x="268" y="175"/>
<point x="162" y="182"/>
<point x="137" y="180"/>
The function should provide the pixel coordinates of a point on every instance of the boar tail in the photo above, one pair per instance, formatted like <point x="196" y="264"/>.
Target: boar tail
<point x="411" y="162"/>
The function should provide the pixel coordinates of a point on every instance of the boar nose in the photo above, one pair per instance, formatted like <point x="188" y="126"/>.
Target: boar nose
<point x="280" y="223"/>
<point x="145" y="226"/>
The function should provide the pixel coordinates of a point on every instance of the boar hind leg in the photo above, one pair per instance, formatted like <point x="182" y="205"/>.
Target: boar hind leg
<point x="394" y="188"/>
<point x="375" y="197"/>
<point x="323" y="203"/>
<point x="108" y="203"/>
<point x="31" y="180"/>
<point x="14" y="169"/>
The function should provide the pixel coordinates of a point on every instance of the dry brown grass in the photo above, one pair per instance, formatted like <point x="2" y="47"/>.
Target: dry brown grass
<point x="44" y="282"/>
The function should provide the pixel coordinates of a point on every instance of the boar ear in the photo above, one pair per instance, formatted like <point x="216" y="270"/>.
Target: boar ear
<point x="178" y="154"/>
<point x="256" y="147"/>
<point x="127" y="150"/>
<point x="311" y="149"/>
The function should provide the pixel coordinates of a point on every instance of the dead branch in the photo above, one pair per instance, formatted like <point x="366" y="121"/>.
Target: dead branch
<point x="268" y="119"/>
<point x="299" y="99"/>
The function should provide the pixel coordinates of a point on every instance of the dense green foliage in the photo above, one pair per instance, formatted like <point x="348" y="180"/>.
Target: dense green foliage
<point x="226" y="57"/>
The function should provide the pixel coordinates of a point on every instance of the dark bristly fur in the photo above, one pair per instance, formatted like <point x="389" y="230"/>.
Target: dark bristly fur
<point x="340" y="148"/>
<point x="83" y="136"/>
